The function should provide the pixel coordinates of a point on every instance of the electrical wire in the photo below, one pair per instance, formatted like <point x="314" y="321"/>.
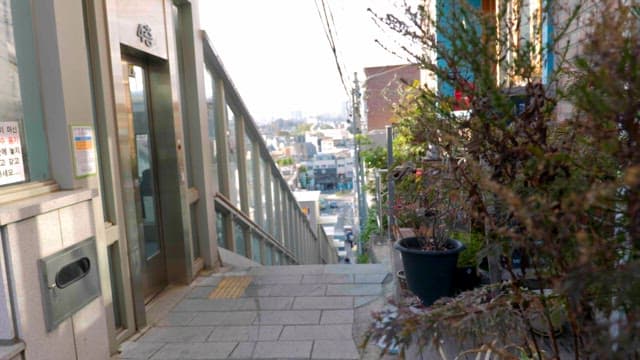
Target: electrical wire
<point x="327" y="21"/>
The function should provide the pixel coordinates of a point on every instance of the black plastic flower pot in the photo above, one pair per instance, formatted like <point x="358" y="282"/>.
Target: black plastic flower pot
<point x="430" y="274"/>
<point x="465" y="278"/>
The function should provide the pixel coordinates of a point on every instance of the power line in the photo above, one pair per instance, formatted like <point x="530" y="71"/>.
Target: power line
<point x="327" y="20"/>
<point x="335" y="31"/>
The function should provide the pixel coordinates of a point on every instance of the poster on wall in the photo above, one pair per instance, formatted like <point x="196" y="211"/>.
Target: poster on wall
<point x="84" y="151"/>
<point x="11" y="160"/>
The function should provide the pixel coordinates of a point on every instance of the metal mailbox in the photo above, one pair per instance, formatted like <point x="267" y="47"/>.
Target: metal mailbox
<point x="69" y="281"/>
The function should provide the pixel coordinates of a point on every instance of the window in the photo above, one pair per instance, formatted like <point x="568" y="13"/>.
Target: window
<point x="23" y="149"/>
<point x="267" y="254"/>
<point x="210" y="93"/>
<point x="249" y="159"/>
<point x="265" y="193"/>
<point x="239" y="237"/>
<point x="275" y="208"/>
<point x="256" y="255"/>
<point x="234" y="178"/>
<point x="221" y="219"/>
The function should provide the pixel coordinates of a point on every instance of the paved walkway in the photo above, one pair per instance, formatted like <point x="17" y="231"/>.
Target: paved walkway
<point x="269" y="312"/>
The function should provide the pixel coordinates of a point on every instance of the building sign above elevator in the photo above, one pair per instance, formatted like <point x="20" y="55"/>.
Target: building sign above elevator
<point x="11" y="160"/>
<point x="142" y="26"/>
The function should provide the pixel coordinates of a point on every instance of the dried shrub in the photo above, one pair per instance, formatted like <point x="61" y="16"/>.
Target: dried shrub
<point x="555" y="175"/>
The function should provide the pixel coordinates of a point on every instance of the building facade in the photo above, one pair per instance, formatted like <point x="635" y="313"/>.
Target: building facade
<point x="385" y="87"/>
<point x="128" y="163"/>
<point x="325" y="172"/>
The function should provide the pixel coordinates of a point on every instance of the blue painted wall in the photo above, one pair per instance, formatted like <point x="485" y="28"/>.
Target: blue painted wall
<point x="547" y="37"/>
<point x="444" y="10"/>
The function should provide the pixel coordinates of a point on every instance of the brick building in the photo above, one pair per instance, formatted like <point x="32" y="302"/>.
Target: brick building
<point x="384" y="87"/>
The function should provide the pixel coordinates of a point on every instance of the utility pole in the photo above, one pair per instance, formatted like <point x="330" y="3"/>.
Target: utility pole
<point x="359" y="176"/>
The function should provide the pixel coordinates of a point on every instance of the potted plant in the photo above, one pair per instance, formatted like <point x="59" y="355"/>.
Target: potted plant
<point x="466" y="276"/>
<point x="554" y="173"/>
<point x="429" y="257"/>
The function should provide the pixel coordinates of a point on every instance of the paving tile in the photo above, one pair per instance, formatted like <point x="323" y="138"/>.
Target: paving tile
<point x="371" y="278"/>
<point x="197" y="305"/>
<point x="245" y="333"/>
<point x="207" y="281"/>
<point x="176" y="319"/>
<point x="335" y="349"/>
<point x="316" y="332"/>
<point x="138" y="350"/>
<point x="336" y="317"/>
<point x="277" y="279"/>
<point x="359" y="301"/>
<point x="354" y="289"/>
<point x="224" y="318"/>
<point x="200" y="292"/>
<point x="323" y="302"/>
<point x="285" y="290"/>
<point x="290" y="317"/>
<point x="195" y="351"/>
<point x="257" y="290"/>
<point x="275" y="303"/>
<point x="244" y="350"/>
<point x="300" y="290"/>
<point x="328" y="279"/>
<point x="287" y="270"/>
<point x="240" y="271"/>
<point x="185" y="334"/>
<point x="282" y="350"/>
<point x="359" y="269"/>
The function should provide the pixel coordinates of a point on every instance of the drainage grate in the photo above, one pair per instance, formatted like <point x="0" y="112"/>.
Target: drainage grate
<point x="231" y="287"/>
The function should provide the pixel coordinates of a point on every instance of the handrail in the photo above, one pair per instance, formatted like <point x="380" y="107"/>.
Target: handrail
<point x="226" y="204"/>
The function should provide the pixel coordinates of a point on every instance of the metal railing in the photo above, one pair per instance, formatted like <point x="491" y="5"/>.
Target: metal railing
<point x="293" y="237"/>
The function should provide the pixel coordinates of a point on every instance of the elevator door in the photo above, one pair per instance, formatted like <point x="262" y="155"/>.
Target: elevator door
<point x="143" y="173"/>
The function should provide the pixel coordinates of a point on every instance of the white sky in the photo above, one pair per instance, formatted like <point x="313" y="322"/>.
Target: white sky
<point x="279" y="59"/>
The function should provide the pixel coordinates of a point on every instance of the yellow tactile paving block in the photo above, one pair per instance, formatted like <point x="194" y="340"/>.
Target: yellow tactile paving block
<point x="231" y="287"/>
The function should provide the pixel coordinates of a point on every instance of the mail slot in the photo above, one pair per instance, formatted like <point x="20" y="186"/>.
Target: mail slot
<point x="69" y="281"/>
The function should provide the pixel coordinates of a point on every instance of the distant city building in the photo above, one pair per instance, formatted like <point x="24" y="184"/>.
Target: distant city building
<point x="326" y="140"/>
<point x="326" y="144"/>
<point x="302" y="149"/>
<point x="325" y="171"/>
<point x="345" y="169"/>
<point x="309" y="202"/>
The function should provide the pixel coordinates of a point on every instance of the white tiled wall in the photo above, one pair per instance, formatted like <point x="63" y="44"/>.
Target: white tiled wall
<point x="83" y="335"/>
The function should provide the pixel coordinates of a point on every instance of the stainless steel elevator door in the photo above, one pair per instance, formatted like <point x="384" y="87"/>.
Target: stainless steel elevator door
<point x="143" y="174"/>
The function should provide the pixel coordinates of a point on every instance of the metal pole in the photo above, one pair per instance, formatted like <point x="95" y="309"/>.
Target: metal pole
<point x="358" y="175"/>
<point x="390" y="191"/>
<point x="378" y="198"/>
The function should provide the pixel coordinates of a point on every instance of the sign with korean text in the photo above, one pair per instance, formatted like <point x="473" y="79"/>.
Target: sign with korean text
<point x="84" y="151"/>
<point x="142" y="25"/>
<point x="11" y="161"/>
